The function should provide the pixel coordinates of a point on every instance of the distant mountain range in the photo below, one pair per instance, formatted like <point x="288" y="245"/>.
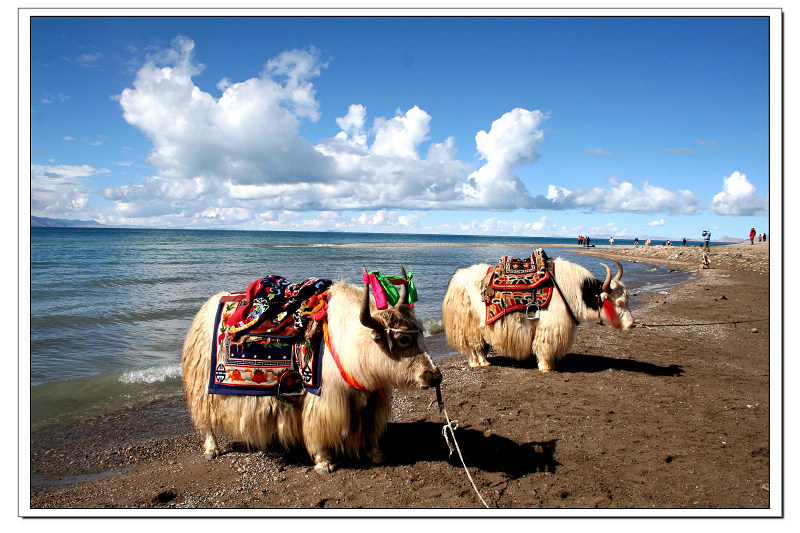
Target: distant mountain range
<point x="43" y="222"/>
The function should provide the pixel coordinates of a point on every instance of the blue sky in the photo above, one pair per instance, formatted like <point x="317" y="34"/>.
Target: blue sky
<point x="531" y="126"/>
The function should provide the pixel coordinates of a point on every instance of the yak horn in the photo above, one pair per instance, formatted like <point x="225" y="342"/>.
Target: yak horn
<point x="619" y="273"/>
<point x="367" y="320"/>
<point x="403" y="300"/>
<point x="607" y="282"/>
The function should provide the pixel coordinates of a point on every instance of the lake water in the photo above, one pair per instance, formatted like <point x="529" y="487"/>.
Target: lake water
<point x="109" y="308"/>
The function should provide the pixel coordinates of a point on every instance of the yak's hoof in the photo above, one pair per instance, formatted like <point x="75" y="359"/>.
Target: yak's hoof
<point x="324" y="468"/>
<point x="485" y="363"/>
<point x="210" y="456"/>
<point x="543" y="370"/>
<point x="376" y="457"/>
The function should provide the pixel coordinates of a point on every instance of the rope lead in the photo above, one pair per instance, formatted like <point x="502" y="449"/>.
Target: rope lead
<point x="452" y="425"/>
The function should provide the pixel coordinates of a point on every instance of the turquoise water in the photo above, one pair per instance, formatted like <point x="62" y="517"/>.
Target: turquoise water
<point x="109" y="308"/>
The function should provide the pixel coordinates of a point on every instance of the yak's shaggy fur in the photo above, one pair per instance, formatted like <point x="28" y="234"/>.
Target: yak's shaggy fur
<point x="549" y="338"/>
<point x="342" y="420"/>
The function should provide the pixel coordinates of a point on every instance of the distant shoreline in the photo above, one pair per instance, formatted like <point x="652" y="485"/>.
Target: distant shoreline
<point x="506" y="245"/>
<point x="54" y="223"/>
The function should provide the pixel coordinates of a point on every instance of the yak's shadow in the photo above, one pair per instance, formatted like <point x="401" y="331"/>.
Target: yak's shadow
<point x="410" y="443"/>
<point x="574" y="363"/>
<point x="579" y="363"/>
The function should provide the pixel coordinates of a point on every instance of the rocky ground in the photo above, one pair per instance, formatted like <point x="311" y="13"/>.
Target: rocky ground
<point x="742" y="257"/>
<point x="672" y="417"/>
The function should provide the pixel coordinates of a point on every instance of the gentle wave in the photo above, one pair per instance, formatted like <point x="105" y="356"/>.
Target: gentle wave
<point x="66" y="401"/>
<point x="152" y="374"/>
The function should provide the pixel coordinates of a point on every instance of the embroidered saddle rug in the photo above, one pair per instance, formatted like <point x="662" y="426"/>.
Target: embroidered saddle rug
<point x="268" y="338"/>
<point x="518" y="285"/>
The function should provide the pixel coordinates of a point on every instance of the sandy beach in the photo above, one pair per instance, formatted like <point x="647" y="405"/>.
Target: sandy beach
<point x="672" y="415"/>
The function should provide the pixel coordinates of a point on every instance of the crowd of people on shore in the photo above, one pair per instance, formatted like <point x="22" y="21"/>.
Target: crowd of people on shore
<point x="586" y="241"/>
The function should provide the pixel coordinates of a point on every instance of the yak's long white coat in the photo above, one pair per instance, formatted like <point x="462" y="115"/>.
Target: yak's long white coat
<point x="549" y="338"/>
<point x="341" y="420"/>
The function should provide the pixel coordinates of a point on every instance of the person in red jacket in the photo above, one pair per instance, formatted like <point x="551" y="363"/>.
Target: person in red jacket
<point x="752" y="234"/>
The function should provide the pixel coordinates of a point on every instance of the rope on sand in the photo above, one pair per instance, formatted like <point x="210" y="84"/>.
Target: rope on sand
<point x="452" y="425"/>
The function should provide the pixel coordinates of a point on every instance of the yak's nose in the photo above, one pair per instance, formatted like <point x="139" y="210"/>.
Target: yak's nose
<point x="432" y="378"/>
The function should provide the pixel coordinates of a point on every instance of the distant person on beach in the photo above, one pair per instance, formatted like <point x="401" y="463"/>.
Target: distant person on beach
<point x="765" y="237"/>
<point x="588" y="240"/>
<point x="684" y="241"/>
<point x="752" y="234"/>
<point x="706" y="238"/>
<point x="611" y="240"/>
<point x="636" y="241"/>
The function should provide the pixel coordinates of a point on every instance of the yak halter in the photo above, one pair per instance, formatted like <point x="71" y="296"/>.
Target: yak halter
<point x="350" y="380"/>
<point x="389" y="342"/>
<point x="566" y="303"/>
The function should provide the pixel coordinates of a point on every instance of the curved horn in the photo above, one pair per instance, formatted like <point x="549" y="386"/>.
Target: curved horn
<point x="619" y="273"/>
<point x="367" y="320"/>
<point x="607" y="282"/>
<point x="403" y="290"/>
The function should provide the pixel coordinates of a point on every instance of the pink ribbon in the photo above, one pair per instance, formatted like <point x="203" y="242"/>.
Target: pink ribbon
<point x="377" y="290"/>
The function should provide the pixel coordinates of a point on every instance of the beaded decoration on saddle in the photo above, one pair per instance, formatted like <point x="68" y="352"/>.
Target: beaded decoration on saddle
<point x="517" y="285"/>
<point x="267" y="339"/>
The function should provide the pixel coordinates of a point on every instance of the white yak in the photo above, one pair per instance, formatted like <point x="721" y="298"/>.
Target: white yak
<point x="581" y="298"/>
<point x="377" y="351"/>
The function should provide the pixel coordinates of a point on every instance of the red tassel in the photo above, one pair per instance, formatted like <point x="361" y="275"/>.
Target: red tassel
<point x="611" y="314"/>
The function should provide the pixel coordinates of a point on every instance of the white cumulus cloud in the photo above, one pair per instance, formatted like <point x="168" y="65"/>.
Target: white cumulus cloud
<point x="60" y="190"/>
<point x="513" y="140"/>
<point x="243" y="149"/>
<point x="623" y="196"/>
<point x="738" y="197"/>
<point x="656" y="223"/>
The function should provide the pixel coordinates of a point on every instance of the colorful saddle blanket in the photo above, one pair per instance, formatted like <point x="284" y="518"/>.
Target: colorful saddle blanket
<point x="268" y="338"/>
<point x="518" y="285"/>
